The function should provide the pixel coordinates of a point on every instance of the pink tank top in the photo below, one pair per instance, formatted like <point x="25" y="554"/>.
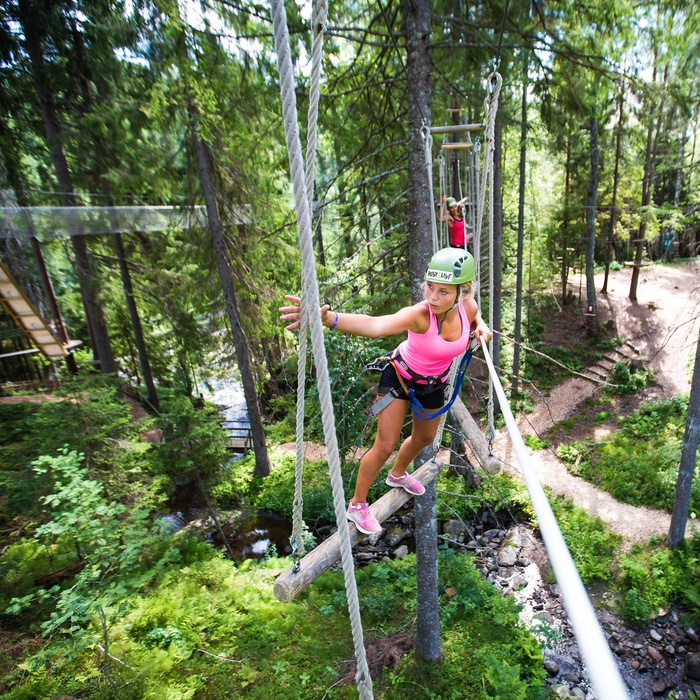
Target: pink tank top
<point x="457" y="232"/>
<point x="428" y="353"/>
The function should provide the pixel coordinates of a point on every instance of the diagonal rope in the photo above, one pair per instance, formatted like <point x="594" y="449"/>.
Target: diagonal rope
<point x="319" y="15"/>
<point x="291" y="129"/>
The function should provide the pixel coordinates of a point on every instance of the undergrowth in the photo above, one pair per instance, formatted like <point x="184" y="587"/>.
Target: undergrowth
<point x="233" y="639"/>
<point x="638" y="463"/>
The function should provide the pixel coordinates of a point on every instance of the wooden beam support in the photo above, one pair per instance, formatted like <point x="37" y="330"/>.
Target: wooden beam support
<point x="320" y="559"/>
<point x="450" y="145"/>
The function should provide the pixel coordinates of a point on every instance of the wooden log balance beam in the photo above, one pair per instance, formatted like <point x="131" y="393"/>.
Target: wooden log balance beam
<point x="320" y="559"/>
<point x="478" y="442"/>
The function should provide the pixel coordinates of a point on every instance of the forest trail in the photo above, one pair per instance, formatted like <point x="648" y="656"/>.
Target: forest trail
<point x="663" y="325"/>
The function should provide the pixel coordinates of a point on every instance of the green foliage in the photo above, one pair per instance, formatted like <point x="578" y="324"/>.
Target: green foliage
<point x="653" y="577"/>
<point x="498" y="493"/>
<point x="275" y="493"/>
<point x="194" y="446"/>
<point x="572" y="454"/>
<point x="638" y="464"/>
<point x="119" y="553"/>
<point x="629" y="380"/>
<point x="535" y="443"/>
<point x="593" y="545"/>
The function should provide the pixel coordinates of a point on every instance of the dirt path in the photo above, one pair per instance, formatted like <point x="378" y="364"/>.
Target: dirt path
<point x="663" y="325"/>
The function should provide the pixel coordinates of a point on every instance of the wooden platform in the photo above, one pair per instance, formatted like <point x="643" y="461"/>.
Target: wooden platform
<point x="289" y="584"/>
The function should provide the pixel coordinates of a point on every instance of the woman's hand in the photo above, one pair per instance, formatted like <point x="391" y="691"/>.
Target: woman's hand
<point x="482" y="331"/>
<point x="291" y="313"/>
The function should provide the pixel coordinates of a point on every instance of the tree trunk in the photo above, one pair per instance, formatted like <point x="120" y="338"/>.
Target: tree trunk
<point x="565" y="225"/>
<point x="616" y="181"/>
<point x="135" y="321"/>
<point x="262" y="462"/>
<point x="84" y="268"/>
<point x="427" y="611"/>
<point x="497" y="215"/>
<point x="417" y="17"/>
<point x="521" y="231"/>
<point x="681" y="502"/>
<point x="647" y="187"/>
<point x="591" y="197"/>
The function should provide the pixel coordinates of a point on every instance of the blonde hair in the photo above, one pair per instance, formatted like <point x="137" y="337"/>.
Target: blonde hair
<point x="465" y="290"/>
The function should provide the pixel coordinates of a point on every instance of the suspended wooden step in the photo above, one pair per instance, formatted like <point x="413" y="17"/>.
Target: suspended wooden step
<point x="449" y="145"/>
<point x="27" y="318"/>
<point x="456" y="128"/>
<point x="320" y="559"/>
<point x="634" y="264"/>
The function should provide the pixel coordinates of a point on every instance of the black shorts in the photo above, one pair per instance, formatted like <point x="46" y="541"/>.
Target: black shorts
<point x="389" y="380"/>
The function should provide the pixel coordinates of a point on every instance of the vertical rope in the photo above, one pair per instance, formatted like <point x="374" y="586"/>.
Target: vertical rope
<point x="443" y="238"/>
<point x="428" y="151"/>
<point x="319" y="14"/>
<point x="291" y="128"/>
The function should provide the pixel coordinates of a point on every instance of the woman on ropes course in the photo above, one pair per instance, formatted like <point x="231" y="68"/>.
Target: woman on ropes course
<point x="456" y="225"/>
<point x="439" y="329"/>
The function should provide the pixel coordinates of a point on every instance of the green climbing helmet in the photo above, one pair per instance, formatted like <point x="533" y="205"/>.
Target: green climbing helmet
<point x="451" y="266"/>
<point x="451" y="201"/>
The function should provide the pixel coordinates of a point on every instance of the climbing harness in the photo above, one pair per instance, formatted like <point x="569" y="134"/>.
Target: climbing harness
<point x="426" y="384"/>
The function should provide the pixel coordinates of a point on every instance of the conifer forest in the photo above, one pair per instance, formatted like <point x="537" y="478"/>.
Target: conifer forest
<point x="175" y="463"/>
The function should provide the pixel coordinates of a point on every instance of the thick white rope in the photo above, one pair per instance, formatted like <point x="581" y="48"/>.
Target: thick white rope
<point x="291" y="128"/>
<point x="490" y="109"/>
<point x="428" y="151"/>
<point x="601" y="666"/>
<point x="443" y="238"/>
<point x="319" y="14"/>
<point x="493" y="91"/>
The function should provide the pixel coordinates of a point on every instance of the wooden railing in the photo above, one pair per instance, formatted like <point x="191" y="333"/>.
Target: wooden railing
<point x="240" y="436"/>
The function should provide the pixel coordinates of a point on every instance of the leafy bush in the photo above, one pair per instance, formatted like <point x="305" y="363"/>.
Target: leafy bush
<point x="653" y="577"/>
<point x="629" y="380"/>
<point x="593" y="545"/>
<point x="535" y="443"/>
<point x="638" y="464"/>
<point x="275" y="493"/>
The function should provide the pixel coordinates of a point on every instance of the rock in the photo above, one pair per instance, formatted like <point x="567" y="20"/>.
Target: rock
<point x="655" y="655"/>
<point x="375" y="537"/>
<point x="275" y="573"/>
<point x="560" y="691"/>
<point x="692" y="665"/>
<point x="655" y="635"/>
<point x="693" y="635"/>
<point x="395" y="536"/>
<point x="507" y="556"/>
<point x="492" y="534"/>
<point x="519" y="582"/>
<point x="696" y="690"/>
<point x="636" y="664"/>
<point x="401" y="552"/>
<point x="551" y="668"/>
<point x="453" y="529"/>
<point x="659" y="686"/>
<point x="577" y="693"/>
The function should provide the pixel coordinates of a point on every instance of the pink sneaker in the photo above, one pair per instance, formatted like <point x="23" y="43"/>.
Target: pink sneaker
<point x="364" y="520"/>
<point x="406" y="482"/>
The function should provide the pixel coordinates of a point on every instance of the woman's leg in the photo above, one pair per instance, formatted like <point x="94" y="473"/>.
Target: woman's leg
<point x="422" y="435"/>
<point x="389" y="424"/>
